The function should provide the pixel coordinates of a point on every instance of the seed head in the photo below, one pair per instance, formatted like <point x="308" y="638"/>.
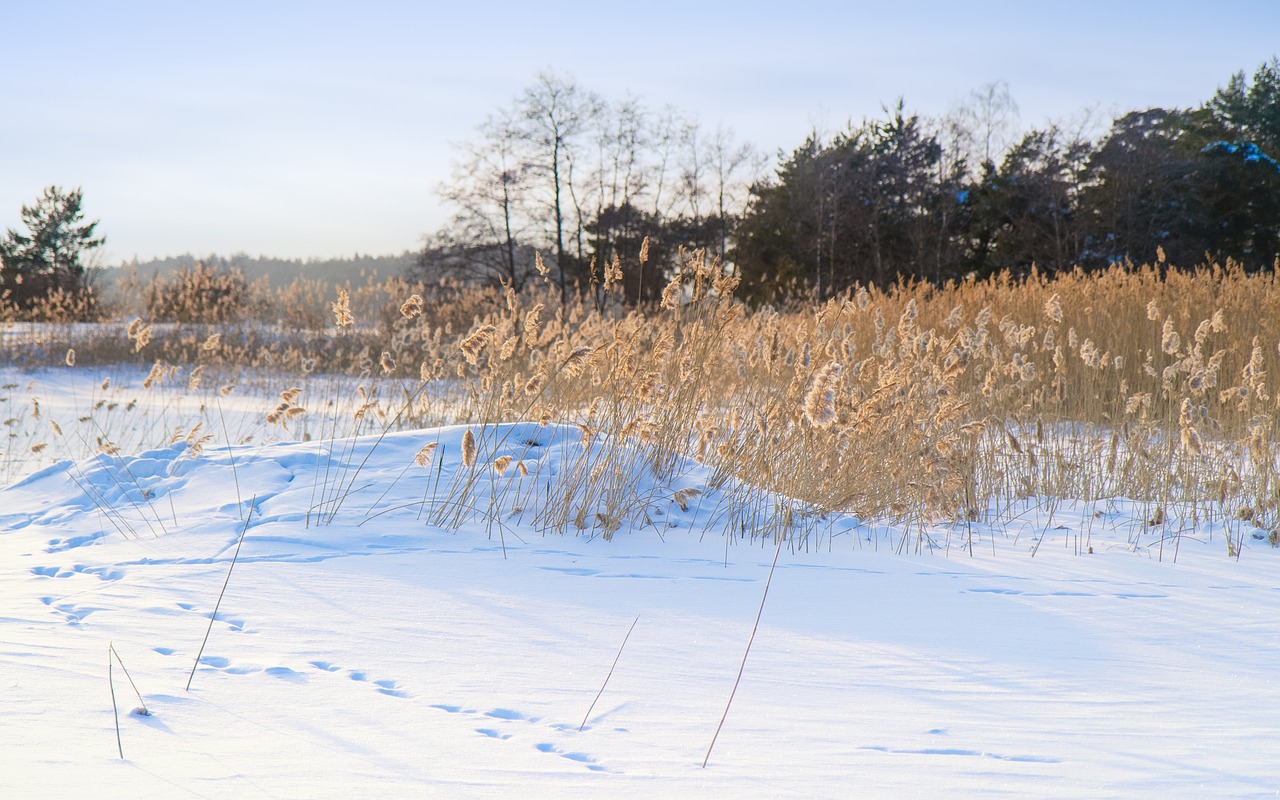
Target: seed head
<point x="1053" y="308"/>
<point x="577" y="361"/>
<point x="423" y="458"/>
<point x="473" y="344"/>
<point x="820" y="402"/>
<point x="412" y="307"/>
<point x="342" y="309"/>
<point x="468" y="449"/>
<point x="531" y="322"/>
<point x="1169" y="340"/>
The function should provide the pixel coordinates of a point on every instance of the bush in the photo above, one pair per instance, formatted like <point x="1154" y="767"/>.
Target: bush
<point x="200" y="294"/>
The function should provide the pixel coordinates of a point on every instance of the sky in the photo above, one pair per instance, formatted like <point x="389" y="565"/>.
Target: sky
<point x="317" y="130"/>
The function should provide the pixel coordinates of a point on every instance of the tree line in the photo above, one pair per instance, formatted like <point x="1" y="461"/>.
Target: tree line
<point x="564" y="184"/>
<point x="565" y="178"/>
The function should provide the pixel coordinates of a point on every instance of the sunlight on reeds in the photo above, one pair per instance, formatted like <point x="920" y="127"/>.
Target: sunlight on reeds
<point x="918" y="403"/>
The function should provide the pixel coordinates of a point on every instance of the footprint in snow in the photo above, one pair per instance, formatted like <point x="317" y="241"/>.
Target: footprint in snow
<point x="224" y="665"/>
<point x="388" y="687"/>
<point x="581" y="758"/>
<point x="509" y="714"/>
<point x="71" y="613"/>
<point x="286" y="674"/>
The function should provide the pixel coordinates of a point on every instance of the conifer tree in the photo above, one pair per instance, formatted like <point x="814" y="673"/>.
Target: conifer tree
<point x="49" y="256"/>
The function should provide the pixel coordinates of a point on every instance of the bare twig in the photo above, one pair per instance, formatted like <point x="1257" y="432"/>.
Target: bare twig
<point x="743" y="665"/>
<point x="234" y="476"/>
<point x="214" y="615"/>
<point x="114" y="710"/>
<point x="143" y="710"/>
<point x="610" y="675"/>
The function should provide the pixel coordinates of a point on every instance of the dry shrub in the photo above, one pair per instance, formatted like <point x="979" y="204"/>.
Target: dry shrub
<point x="199" y="294"/>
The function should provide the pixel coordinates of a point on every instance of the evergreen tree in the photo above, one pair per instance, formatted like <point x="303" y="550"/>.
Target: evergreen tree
<point x="48" y="257"/>
<point x="873" y="205"/>
<point x="1024" y="213"/>
<point x="1145" y="190"/>
<point x="1240" y="130"/>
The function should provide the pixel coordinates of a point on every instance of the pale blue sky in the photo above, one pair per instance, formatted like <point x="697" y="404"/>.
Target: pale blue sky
<point x="321" y="129"/>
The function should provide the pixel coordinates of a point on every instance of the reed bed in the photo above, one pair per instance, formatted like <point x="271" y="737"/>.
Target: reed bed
<point x="918" y="403"/>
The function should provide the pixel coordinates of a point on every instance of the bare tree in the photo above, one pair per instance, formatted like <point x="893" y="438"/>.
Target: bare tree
<point x="587" y="182"/>
<point x="557" y="114"/>
<point x="621" y="139"/>
<point x="981" y="128"/>
<point x="692" y="167"/>
<point x="489" y="187"/>
<point x="995" y="116"/>
<point x="621" y="175"/>
<point x="664" y="140"/>
<point x="727" y="159"/>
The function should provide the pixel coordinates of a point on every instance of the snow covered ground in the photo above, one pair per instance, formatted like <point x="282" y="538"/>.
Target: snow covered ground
<point x="376" y="655"/>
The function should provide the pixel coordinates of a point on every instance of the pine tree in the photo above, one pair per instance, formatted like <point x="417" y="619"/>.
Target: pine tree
<point x="48" y="257"/>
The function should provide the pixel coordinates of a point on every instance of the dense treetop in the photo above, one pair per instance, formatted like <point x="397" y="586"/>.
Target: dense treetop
<point x="584" y="182"/>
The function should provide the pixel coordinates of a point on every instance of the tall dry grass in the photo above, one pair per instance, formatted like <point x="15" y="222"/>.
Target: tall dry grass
<point x="919" y="403"/>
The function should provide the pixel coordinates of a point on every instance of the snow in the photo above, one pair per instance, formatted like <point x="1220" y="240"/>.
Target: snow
<point x="377" y="653"/>
<point x="1249" y="151"/>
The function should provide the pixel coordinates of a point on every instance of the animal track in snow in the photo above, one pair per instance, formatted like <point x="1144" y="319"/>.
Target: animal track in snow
<point x="223" y="664"/>
<point x="286" y="674"/>
<point x="102" y="573"/>
<point x="581" y="758"/>
<point x="508" y="714"/>
<point x="71" y="613"/>
<point x="383" y="686"/>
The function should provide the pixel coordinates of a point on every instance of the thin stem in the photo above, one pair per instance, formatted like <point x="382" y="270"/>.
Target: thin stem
<point x="216" y="605"/>
<point x="146" y="712"/>
<point x="234" y="476"/>
<point x="610" y="675"/>
<point x="743" y="665"/>
<point x="114" y="709"/>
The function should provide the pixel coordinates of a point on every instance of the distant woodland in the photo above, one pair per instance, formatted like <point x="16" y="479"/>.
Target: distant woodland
<point x="277" y="272"/>
<point x="569" y="187"/>
<point x="585" y="181"/>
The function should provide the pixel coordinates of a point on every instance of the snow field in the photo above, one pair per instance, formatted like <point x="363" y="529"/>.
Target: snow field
<point x="377" y="651"/>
